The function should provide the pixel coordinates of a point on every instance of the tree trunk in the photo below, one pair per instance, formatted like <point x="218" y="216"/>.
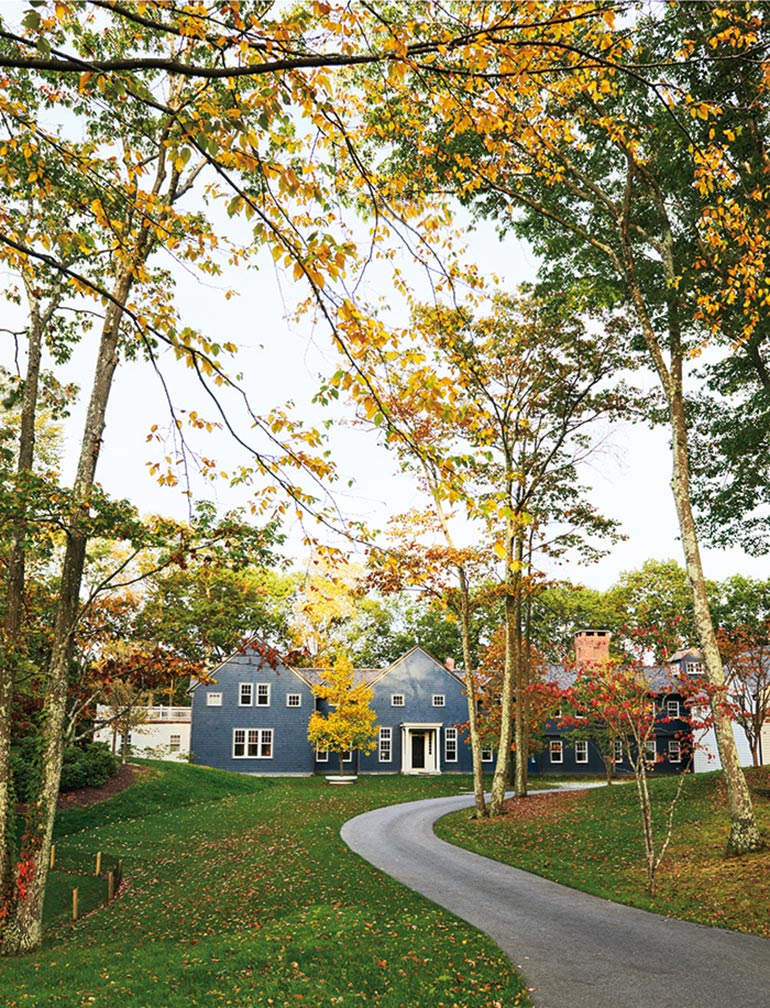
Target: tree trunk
<point x="14" y="594"/>
<point x="744" y="835"/>
<point x="497" y="797"/>
<point x="470" y="692"/>
<point x="23" y="929"/>
<point x="520" y="713"/>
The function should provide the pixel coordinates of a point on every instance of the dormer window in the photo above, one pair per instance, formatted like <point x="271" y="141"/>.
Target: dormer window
<point x="695" y="668"/>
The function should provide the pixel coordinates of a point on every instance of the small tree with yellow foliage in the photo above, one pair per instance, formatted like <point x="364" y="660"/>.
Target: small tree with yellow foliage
<point x="350" y="721"/>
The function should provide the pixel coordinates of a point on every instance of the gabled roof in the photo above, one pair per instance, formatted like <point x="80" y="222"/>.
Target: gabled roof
<point x="683" y="654"/>
<point x="380" y="674"/>
<point x="661" y="678"/>
<point x="313" y="676"/>
<point x="254" y="645"/>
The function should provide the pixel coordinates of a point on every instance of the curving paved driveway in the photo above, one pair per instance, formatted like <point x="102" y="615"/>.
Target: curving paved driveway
<point x="574" y="950"/>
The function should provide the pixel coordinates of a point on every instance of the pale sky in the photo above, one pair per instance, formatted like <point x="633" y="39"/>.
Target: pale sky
<point x="281" y="360"/>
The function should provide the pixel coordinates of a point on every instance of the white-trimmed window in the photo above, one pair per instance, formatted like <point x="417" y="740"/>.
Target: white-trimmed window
<point x="439" y="700"/>
<point x="175" y="743"/>
<point x="651" y="751"/>
<point x="396" y="699"/>
<point x="450" y="745"/>
<point x="213" y="699"/>
<point x="581" y="751"/>
<point x="322" y="755"/>
<point x="674" y="751"/>
<point x="556" y="749"/>
<point x="293" y="699"/>
<point x="695" y="668"/>
<point x="487" y="755"/>
<point x="672" y="708"/>
<point x="252" y="743"/>
<point x="385" y="745"/>
<point x="557" y="713"/>
<point x="263" y="694"/>
<point x="617" y="750"/>
<point x="245" y="694"/>
<point x="347" y="756"/>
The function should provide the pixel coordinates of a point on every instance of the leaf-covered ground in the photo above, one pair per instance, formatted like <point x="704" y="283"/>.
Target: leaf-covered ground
<point x="591" y="840"/>
<point x="240" y="892"/>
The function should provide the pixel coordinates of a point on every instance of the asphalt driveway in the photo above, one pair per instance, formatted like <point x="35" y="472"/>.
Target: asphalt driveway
<point x="574" y="950"/>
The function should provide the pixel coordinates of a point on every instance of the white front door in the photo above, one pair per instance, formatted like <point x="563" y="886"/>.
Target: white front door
<point x="419" y="748"/>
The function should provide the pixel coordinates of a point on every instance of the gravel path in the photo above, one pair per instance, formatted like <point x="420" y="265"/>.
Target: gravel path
<point x="574" y="950"/>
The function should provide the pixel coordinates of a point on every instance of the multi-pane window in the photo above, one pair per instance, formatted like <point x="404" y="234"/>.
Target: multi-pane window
<point x="695" y="668"/>
<point x="486" y="756"/>
<point x="450" y="745"/>
<point x="617" y="747"/>
<point x="674" y="751"/>
<point x="293" y="699"/>
<point x="557" y="751"/>
<point x="263" y="694"/>
<point x="650" y="750"/>
<point x="397" y="700"/>
<point x="438" y="700"/>
<point x="385" y="748"/>
<point x="213" y="699"/>
<point x="175" y="743"/>
<point x="255" y="743"/>
<point x="245" y="694"/>
<point x="581" y="751"/>
<point x="672" y="708"/>
<point x="322" y="755"/>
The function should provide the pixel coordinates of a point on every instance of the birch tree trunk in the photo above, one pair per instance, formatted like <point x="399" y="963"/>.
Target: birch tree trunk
<point x="744" y="834"/>
<point x="470" y="691"/>
<point x="22" y="930"/>
<point x="15" y="579"/>
<point x="502" y="766"/>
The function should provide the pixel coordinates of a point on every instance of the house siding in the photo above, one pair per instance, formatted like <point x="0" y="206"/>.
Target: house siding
<point x="417" y="677"/>
<point x="211" y="739"/>
<point x="665" y="729"/>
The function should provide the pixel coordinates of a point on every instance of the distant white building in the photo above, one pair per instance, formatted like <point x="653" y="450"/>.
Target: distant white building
<point x="157" y="732"/>
<point x="706" y="754"/>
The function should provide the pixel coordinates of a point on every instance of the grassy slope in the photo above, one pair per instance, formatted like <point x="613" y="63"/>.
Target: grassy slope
<point x="239" y="892"/>
<point x="592" y="841"/>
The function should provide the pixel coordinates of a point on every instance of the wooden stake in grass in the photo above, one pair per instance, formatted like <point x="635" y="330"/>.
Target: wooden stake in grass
<point x="110" y="887"/>
<point x="74" y="904"/>
<point x="53" y="856"/>
<point x="98" y="863"/>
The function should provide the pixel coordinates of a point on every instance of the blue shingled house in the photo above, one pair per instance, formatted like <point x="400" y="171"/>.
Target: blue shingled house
<point x="670" y="746"/>
<point x="252" y="717"/>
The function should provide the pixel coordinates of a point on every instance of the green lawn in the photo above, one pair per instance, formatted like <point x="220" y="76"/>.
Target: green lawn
<point x="591" y="840"/>
<point x="238" y="891"/>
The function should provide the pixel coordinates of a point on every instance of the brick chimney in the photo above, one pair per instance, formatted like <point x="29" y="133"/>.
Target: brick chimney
<point x="592" y="647"/>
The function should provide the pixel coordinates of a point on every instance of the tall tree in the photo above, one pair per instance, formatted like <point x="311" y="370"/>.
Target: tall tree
<point x="603" y="169"/>
<point x="494" y="414"/>
<point x="349" y="722"/>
